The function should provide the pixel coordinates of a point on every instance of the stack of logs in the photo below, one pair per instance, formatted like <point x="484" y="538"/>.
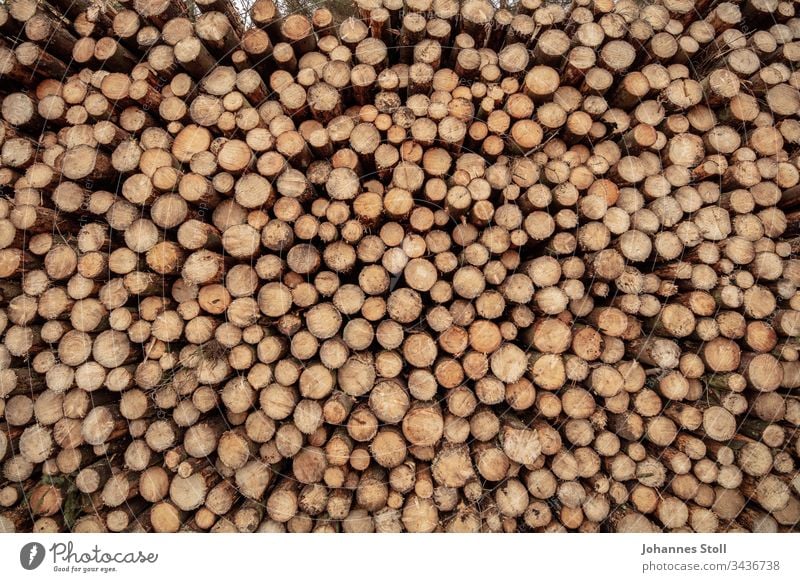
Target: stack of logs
<point x="437" y="267"/>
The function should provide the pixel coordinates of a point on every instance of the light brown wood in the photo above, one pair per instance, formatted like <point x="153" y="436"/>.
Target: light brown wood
<point x="422" y="266"/>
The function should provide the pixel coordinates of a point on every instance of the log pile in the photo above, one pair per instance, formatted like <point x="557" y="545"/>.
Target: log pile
<point x="438" y="267"/>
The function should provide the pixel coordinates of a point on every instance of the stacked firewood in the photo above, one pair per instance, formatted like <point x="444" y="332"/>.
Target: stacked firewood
<point x="437" y="267"/>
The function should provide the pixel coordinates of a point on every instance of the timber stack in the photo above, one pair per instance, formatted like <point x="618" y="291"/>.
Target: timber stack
<point x="436" y="267"/>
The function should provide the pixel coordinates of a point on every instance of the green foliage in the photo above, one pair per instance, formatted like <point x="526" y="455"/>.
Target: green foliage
<point x="191" y="10"/>
<point x="73" y="498"/>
